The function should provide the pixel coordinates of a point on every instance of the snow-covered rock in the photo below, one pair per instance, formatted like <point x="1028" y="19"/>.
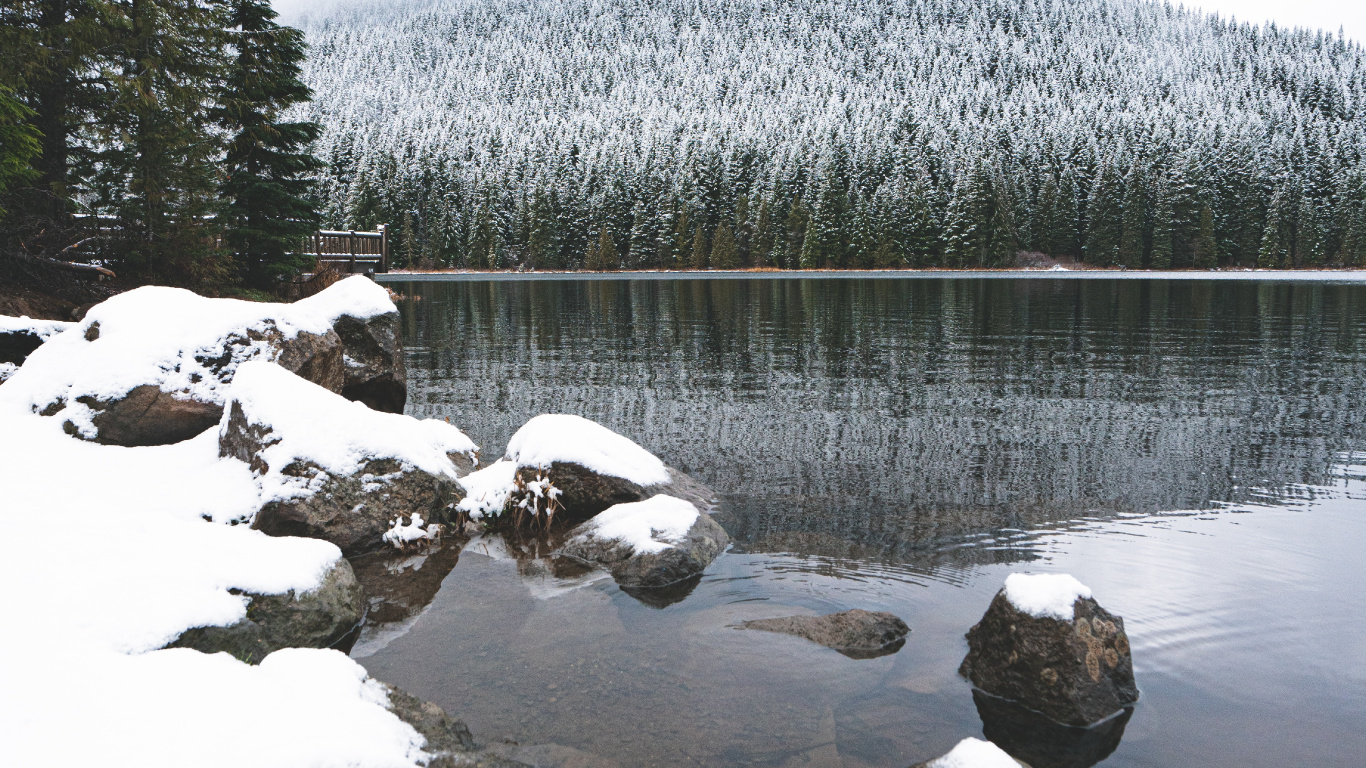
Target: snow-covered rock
<point x="856" y="633"/>
<point x="373" y="361"/>
<point x="571" y="468"/>
<point x="19" y="336"/>
<point x="321" y="617"/>
<point x="152" y="366"/>
<point x="653" y="543"/>
<point x="117" y="552"/>
<point x="334" y="469"/>
<point x="973" y="753"/>
<point x="1072" y="664"/>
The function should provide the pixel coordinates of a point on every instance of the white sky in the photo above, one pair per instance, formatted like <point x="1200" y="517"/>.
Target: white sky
<point x="1316" y="14"/>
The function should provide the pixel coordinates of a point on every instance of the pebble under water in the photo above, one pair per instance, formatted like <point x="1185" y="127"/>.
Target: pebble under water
<point x="1194" y="451"/>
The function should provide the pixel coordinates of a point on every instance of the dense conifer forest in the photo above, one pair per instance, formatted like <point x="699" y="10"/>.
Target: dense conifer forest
<point x="837" y="133"/>
<point x="149" y="135"/>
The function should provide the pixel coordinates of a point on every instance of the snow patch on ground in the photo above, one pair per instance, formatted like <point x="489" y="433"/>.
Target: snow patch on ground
<point x="561" y="437"/>
<point x="156" y="335"/>
<point x="975" y="753"/>
<point x="649" y="526"/>
<point x="1045" y="595"/>
<point x="43" y="329"/>
<point x="314" y="425"/>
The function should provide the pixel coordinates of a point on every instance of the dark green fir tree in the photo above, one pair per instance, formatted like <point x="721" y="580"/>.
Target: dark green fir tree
<point x="267" y="208"/>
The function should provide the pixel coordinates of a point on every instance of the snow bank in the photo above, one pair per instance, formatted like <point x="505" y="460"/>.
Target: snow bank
<point x="1045" y="595"/>
<point x="974" y="753"/>
<point x="649" y="526"/>
<point x="560" y="437"/>
<point x="7" y="370"/>
<point x="487" y="490"/>
<point x="170" y="337"/>
<point x="309" y="423"/>
<point x="43" y="329"/>
<point x="113" y="552"/>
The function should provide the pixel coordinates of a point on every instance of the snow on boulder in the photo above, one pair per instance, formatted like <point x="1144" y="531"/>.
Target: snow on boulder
<point x="1047" y="644"/>
<point x="334" y="469"/>
<point x="653" y="543"/>
<point x="19" y="336"/>
<point x="973" y="753"/>
<point x="559" y="466"/>
<point x="152" y="366"/>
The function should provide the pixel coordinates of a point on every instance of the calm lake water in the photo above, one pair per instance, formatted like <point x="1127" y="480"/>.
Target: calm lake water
<point x="1195" y="451"/>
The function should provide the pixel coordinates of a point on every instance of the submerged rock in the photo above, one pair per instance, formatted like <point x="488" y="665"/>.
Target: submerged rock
<point x="324" y="617"/>
<point x="335" y="470"/>
<point x="856" y="633"/>
<point x="648" y="544"/>
<point x="373" y="361"/>
<point x="448" y="740"/>
<point x="1046" y="643"/>
<point x="152" y="366"/>
<point x="973" y="753"/>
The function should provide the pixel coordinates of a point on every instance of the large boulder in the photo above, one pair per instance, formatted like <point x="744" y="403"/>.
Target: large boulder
<point x="973" y="753"/>
<point x="648" y="544"/>
<point x="324" y="617"/>
<point x="373" y="362"/>
<point x="1046" y="643"/>
<point x="20" y="336"/>
<point x="334" y="469"/>
<point x="857" y="633"/>
<point x="570" y="469"/>
<point x="152" y="366"/>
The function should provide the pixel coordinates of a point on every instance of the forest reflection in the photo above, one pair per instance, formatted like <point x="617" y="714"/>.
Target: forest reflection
<point x="890" y="420"/>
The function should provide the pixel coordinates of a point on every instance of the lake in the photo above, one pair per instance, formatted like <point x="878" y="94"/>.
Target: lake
<point x="1194" y="450"/>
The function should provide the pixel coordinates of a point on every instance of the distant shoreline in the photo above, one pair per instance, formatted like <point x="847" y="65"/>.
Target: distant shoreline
<point x="1282" y="275"/>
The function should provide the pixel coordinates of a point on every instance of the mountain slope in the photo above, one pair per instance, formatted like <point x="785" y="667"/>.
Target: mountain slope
<point x="828" y="133"/>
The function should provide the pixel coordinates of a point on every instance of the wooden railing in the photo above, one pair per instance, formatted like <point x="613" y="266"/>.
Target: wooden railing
<point x="349" y="250"/>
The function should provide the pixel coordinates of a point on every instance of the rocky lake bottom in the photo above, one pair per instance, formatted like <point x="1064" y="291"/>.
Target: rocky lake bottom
<point x="1187" y="449"/>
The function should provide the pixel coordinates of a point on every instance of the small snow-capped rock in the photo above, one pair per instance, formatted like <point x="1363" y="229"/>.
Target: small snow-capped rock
<point x="973" y="753"/>
<point x="333" y="469"/>
<point x="565" y="467"/>
<point x="653" y="543"/>
<point x="1072" y="664"/>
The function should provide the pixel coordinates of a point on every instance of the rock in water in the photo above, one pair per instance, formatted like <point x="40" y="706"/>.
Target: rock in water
<point x="448" y="740"/>
<point x="151" y="366"/>
<point x="1033" y="738"/>
<point x="583" y="466"/>
<point x="375" y="372"/>
<point x="973" y="753"/>
<point x="1046" y="643"/>
<point x="857" y="633"/>
<point x="652" y="544"/>
<point x="320" y="618"/>
<point x="333" y="469"/>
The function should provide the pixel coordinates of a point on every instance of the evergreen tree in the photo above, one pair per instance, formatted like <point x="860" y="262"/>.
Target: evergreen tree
<point x="763" y="236"/>
<point x="724" y="254"/>
<point x="1277" y="236"/>
<point x="1133" y="223"/>
<point x="1161" y="257"/>
<point x="602" y="255"/>
<point x="265" y="188"/>
<point x="1205" y="252"/>
<point x="699" y="249"/>
<point x="1104" y="217"/>
<point x="795" y="230"/>
<point x="19" y="143"/>
<point x="157" y="166"/>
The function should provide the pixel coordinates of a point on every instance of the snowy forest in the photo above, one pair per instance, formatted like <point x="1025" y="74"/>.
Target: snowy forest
<point x="567" y="134"/>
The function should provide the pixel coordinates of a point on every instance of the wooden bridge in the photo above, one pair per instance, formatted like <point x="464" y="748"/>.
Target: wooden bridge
<point x="349" y="250"/>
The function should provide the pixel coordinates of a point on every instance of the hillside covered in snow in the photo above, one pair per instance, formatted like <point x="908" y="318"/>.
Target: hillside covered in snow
<point x="838" y="133"/>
